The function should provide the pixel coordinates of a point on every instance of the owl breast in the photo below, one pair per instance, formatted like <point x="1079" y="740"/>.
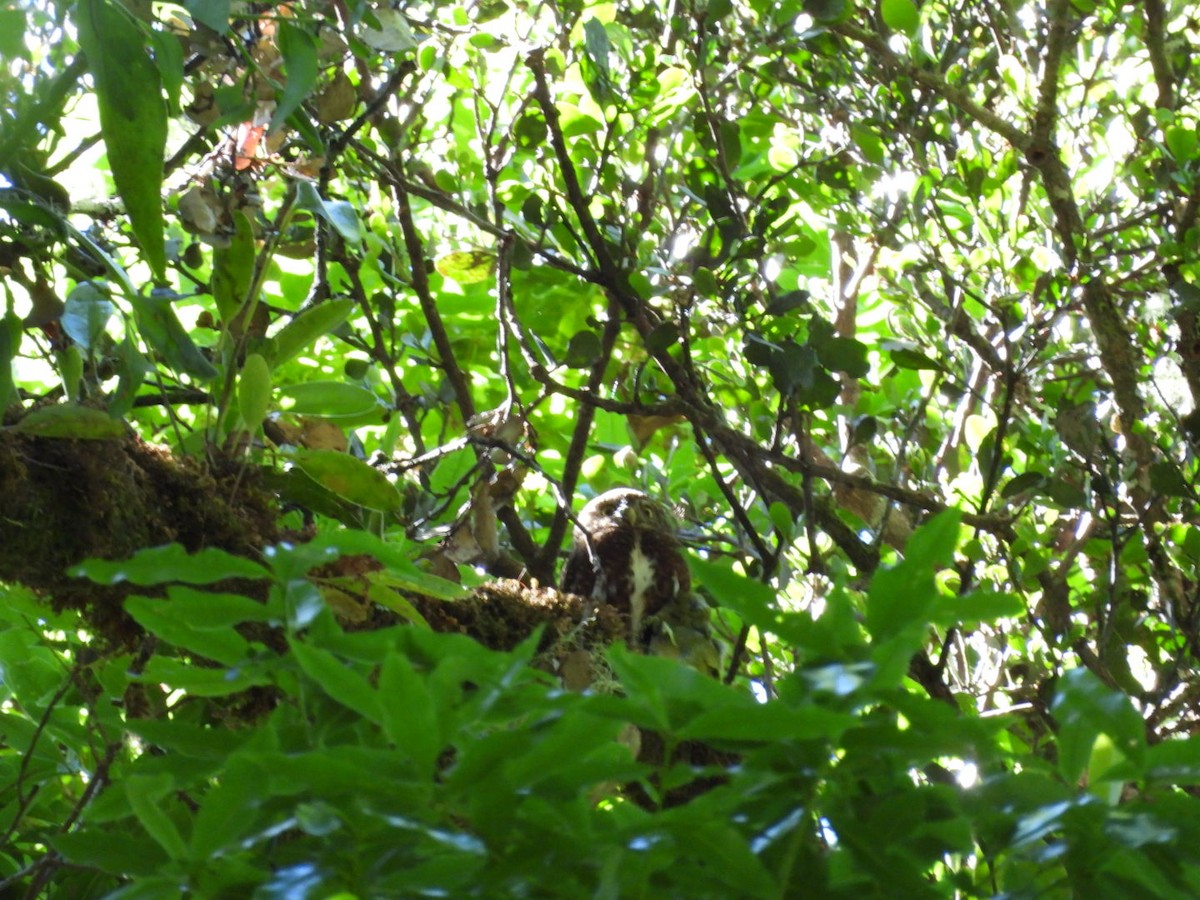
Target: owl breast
<point x="626" y="556"/>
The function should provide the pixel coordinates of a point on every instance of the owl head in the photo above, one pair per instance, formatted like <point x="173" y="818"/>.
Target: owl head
<point x="625" y="506"/>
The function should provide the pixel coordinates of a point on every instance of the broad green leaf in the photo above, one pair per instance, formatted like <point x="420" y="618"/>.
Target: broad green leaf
<point x="213" y="13"/>
<point x="1166" y="478"/>
<point x="332" y="399"/>
<point x="132" y="369"/>
<point x="162" y="330"/>
<point x="410" y="717"/>
<point x="233" y="269"/>
<point x="1026" y="481"/>
<point x="900" y="15"/>
<point x="841" y="354"/>
<point x="976" y="607"/>
<point x="754" y="601"/>
<point x="467" y="266"/>
<point x="226" y="811"/>
<point x="749" y="720"/>
<point x="254" y="390"/>
<point x="906" y="358"/>
<point x="210" y="742"/>
<point x="147" y="795"/>
<point x="205" y="682"/>
<point x="11" y="330"/>
<point x="133" y="117"/>
<point x="392" y="34"/>
<point x="168" y="57"/>
<point x="115" y="851"/>
<point x="161" y="618"/>
<point x="311" y="324"/>
<point x="335" y="678"/>
<point x="86" y="313"/>
<point x="1182" y="142"/>
<point x="379" y="592"/>
<point x="299" y="52"/>
<point x="400" y="570"/>
<point x="69" y="421"/>
<point x="583" y="349"/>
<point x="906" y="594"/>
<point x="170" y="563"/>
<point x="338" y="213"/>
<point x="1086" y="708"/>
<point x="350" y="478"/>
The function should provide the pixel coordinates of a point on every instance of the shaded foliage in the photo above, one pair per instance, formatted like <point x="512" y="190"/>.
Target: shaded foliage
<point x="894" y="302"/>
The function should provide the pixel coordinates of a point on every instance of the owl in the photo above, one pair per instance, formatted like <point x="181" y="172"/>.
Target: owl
<point x="625" y="554"/>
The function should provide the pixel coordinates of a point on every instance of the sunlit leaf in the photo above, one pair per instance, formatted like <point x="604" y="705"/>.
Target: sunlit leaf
<point x="299" y="52"/>
<point x="70" y="421"/>
<point x="350" y="478"/>
<point x="900" y="15"/>
<point x="467" y="266"/>
<point x="86" y="314"/>
<point x="170" y="563"/>
<point x="133" y="117"/>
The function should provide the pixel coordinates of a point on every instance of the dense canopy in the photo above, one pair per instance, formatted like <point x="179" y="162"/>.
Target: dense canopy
<point x="318" y="319"/>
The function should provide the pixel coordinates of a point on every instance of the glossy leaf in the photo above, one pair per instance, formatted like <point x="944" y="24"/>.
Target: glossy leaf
<point x="70" y="421"/>
<point x="349" y="478"/>
<point x="133" y="117"/>
<point x="170" y="563"/>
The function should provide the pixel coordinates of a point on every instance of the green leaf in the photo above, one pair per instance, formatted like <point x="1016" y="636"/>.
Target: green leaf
<point x="146" y="793"/>
<point x="331" y="399"/>
<point x="133" y="117"/>
<point x="1182" y="142"/>
<point x="68" y="421"/>
<point x="254" y="390"/>
<point x="841" y="354"/>
<point x="901" y="15"/>
<point x="1026" y="481"/>
<point x="904" y="595"/>
<point x="350" y="478"/>
<point x="213" y="13"/>
<point x="189" y="740"/>
<point x="299" y="52"/>
<point x="170" y="563"/>
<point x="132" y="369"/>
<point x="204" y="682"/>
<point x="401" y="572"/>
<point x="341" y="682"/>
<point x="233" y="269"/>
<point x="976" y="607"/>
<point x="311" y="324"/>
<point x="751" y="721"/>
<point x="1085" y="708"/>
<point x="162" y="618"/>
<point x="338" y="213"/>
<point x="754" y="601"/>
<point x="467" y="266"/>
<point x="1166" y="478"/>
<point x="162" y="330"/>
<point x="86" y="313"/>
<point x="110" y="850"/>
<point x="583" y="349"/>
<point x="786" y="302"/>
<point x="597" y="71"/>
<point x="410" y="718"/>
<point x="906" y="358"/>
<point x="168" y="57"/>
<point x="11" y="331"/>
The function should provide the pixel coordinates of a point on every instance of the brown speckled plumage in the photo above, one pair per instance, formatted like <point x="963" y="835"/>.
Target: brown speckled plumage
<point x="625" y="554"/>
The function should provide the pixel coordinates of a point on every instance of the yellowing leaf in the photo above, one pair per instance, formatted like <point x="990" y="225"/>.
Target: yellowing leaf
<point x="467" y="266"/>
